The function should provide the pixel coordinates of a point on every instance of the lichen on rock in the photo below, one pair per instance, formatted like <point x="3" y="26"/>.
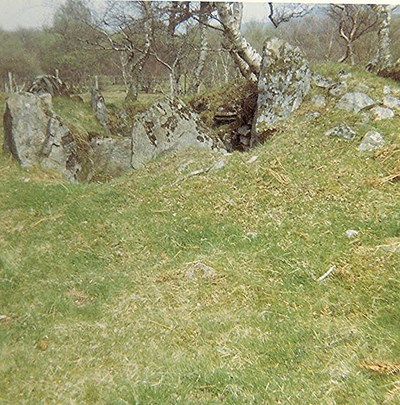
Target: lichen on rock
<point x="35" y="135"/>
<point x="168" y="126"/>
<point x="283" y="83"/>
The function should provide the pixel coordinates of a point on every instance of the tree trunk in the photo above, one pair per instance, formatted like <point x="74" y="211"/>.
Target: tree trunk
<point x="383" y="56"/>
<point x="133" y="91"/>
<point x="202" y="59"/>
<point x="243" y="67"/>
<point x="351" y="53"/>
<point x="230" y="17"/>
<point x="137" y="66"/>
<point x="173" y="84"/>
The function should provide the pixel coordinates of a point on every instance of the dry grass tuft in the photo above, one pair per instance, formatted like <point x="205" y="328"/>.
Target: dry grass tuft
<point x="79" y="297"/>
<point x="381" y="367"/>
<point x="393" y="395"/>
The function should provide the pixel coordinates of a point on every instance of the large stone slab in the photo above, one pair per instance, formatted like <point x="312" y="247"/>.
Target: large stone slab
<point x="109" y="157"/>
<point x="355" y="101"/>
<point x="35" y="135"/>
<point x="283" y="83"/>
<point x="99" y="107"/>
<point x="168" y="126"/>
<point x="382" y="113"/>
<point x="372" y="140"/>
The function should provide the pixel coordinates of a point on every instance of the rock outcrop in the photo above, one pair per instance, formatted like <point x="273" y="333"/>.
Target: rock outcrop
<point x="35" y="135"/>
<point x="355" y="102"/>
<point x="168" y="126"/>
<point x="382" y="113"/>
<point x="342" y="131"/>
<point x="283" y="83"/>
<point x="99" y="107"/>
<point x="109" y="157"/>
<point x="372" y="140"/>
<point x="48" y="84"/>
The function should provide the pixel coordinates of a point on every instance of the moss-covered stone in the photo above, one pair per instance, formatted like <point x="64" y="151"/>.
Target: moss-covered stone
<point x="283" y="83"/>
<point x="168" y="126"/>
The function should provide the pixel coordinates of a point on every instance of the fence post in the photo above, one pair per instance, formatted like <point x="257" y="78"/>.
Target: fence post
<point x="10" y="82"/>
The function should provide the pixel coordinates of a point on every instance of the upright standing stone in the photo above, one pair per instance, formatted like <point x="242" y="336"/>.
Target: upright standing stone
<point x="283" y="83"/>
<point x="168" y="126"/>
<point x="99" y="106"/>
<point x="35" y="135"/>
<point x="109" y="157"/>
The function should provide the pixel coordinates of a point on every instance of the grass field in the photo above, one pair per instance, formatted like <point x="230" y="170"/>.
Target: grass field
<point x="163" y="287"/>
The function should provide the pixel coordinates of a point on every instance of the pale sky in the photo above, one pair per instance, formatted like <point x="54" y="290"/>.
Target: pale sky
<point x="36" y="13"/>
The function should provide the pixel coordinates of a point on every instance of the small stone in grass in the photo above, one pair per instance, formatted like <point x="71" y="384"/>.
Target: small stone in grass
<point x="199" y="269"/>
<point x="351" y="233"/>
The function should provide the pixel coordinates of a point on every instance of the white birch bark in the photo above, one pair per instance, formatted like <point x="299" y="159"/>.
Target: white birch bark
<point x="202" y="55"/>
<point x="383" y="56"/>
<point x="137" y="66"/>
<point x="230" y="16"/>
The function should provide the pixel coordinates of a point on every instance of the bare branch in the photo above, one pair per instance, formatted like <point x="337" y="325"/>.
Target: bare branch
<point x="285" y="13"/>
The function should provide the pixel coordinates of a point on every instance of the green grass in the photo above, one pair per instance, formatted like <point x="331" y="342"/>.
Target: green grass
<point x="78" y="115"/>
<point x="99" y="273"/>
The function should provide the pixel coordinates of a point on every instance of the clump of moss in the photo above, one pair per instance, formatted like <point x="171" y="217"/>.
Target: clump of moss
<point x="239" y="97"/>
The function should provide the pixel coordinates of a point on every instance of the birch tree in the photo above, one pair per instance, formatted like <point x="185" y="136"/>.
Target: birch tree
<point x="130" y="34"/>
<point x="205" y="9"/>
<point x="246" y="58"/>
<point x="283" y="13"/>
<point x="353" y="22"/>
<point x="383" y="56"/>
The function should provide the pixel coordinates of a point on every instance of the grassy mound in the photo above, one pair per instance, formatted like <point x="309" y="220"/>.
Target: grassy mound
<point x="180" y="284"/>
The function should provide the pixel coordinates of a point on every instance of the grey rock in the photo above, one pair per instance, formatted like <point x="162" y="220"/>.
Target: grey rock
<point x="48" y="84"/>
<point x="391" y="101"/>
<point x="35" y="135"/>
<point x="99" y="107"/>
<point x="283" y="83"/>
<point x="382" y="113"/>
<point x="342" y="130"/>
<point x="109" y="157"/>
<point x="319" y="101"/>
<point x="244" y="140"/>
<point x="218" y="165"/>
<point x="351" y="233"/>
<point x="200" y="270"/>
<point x="322" y="82"/>
<point x="59" y="151"/>
<point x="166" y="127"/>
<point x="313" y="115"/>
<point x="392" y="248"/>
<point x="355" y="102"/>
<point x="344" y="75"/>
<point x="251" y="235"/>
<point x="387" y="90"/>
<point x="338" y="89"/>
<point x="371" y="141"/>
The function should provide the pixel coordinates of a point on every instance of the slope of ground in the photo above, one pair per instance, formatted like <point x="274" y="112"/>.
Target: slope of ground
<point x="180" y="284"/>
